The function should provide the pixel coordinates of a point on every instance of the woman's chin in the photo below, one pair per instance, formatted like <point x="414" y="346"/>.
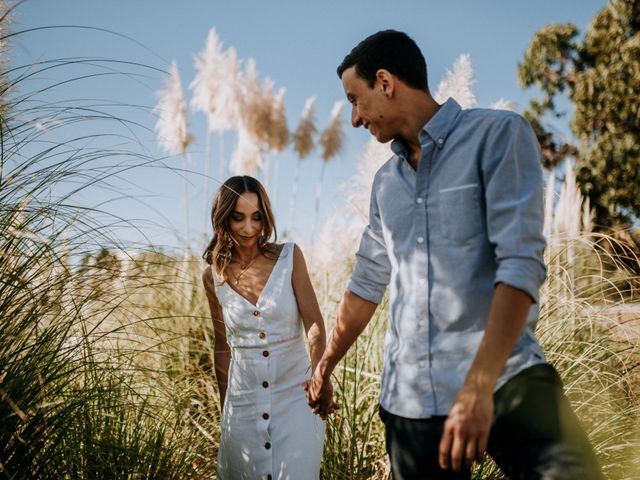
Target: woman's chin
<point x="247" y="242"/>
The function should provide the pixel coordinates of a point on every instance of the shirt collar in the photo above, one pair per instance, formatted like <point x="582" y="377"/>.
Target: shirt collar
<point x="436" y="129"/>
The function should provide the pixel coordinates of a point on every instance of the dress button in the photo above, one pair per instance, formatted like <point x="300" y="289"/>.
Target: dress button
<point x="265" y="384"/>
<point x="267" y="445"/>
<point x="265" y="416"/>
<point x="265" y="353"/>
<point x="419" y="200"/>
<point x="420" y="239"/>
<point x="262" y="335"/>
<point x="256" y="313"/>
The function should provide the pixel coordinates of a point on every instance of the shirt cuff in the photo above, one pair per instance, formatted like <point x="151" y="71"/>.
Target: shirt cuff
<point x="371" y="294"/>
<point x="525" y="274"/>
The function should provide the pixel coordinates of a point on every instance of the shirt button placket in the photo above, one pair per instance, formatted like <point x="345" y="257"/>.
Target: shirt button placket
<point x="422" y="272"/>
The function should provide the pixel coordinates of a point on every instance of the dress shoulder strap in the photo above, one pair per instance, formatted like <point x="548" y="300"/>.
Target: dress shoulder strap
<point x="288" y="251"/>
<point x="217" y="280"/>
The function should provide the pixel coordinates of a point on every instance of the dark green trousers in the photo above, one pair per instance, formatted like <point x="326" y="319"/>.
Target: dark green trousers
<point x="535" y="435"/>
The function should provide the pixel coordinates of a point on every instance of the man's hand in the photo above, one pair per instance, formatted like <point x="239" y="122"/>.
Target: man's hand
<point x="466" y="430"/>
<point x="353" y="315"/>
<point x="320" y="395"/>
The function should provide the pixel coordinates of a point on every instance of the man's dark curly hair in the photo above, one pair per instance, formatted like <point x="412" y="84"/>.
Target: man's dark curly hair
<point x="392" y="50"/>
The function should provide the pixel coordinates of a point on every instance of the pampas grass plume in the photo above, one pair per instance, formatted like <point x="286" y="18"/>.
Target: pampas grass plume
<point x="171" y="127"/>
<point x="250" y="95"/>
<point x="205" y="85"/>
<point x="332" y="138"/>
<point x="278" y="129"/>
<point x="261" y="126"/>
<point x="303" y="136"/>
<point x="568" y="213"/>
<point x="503" y="104"/>
<point x="227" y="113"/>
<point x="373" y="155"/>
<point x="457" y="83"/>
<point x="247" y="156"/>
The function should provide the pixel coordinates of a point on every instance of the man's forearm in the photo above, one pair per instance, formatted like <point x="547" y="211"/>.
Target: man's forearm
<point x="466" y="430"/>
<point x="354" y="314"/>
<point x="507" y="316"/>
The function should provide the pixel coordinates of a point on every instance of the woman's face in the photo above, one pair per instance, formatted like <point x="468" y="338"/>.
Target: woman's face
<point x="245" y="222"/>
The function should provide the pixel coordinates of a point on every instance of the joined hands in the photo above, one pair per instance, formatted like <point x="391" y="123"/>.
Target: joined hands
<point x="320" y="395"/>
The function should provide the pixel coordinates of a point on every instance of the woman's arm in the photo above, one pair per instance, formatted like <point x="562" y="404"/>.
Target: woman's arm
<point x="308" y="307"/>
<point x="221" y="352"/>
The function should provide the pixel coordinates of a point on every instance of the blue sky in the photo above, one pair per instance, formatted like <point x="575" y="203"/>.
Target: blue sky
<point x="296" y="43"/>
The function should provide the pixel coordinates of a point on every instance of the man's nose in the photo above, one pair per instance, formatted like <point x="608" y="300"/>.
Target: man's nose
<point x="356" y="121"/>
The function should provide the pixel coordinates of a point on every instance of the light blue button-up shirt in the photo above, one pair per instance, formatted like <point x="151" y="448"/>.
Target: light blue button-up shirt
<point x="441" y="238"/>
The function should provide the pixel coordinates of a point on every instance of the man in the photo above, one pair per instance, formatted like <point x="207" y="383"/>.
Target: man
<point x="455" y="229"/>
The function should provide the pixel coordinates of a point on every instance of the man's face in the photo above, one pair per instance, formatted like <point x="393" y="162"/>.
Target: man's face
<point x="369" y="106"/>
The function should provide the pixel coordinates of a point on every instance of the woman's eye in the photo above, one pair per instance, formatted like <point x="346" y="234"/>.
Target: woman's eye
<point x="258" y="217"/>
<point x="236" y="218"/>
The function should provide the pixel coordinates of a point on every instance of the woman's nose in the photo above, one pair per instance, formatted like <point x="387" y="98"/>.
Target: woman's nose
<point x="248" y="225"/>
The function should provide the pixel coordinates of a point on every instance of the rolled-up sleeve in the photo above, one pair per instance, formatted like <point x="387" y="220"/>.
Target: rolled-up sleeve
<point x="372" y="271"/>
<point x="513" y="193"/>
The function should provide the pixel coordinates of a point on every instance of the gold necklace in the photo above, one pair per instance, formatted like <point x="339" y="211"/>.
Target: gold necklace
<point x="244" y="269"/>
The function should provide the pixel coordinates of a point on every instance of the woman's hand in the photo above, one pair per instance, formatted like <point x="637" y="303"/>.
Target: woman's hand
<point x="320" y="395"/>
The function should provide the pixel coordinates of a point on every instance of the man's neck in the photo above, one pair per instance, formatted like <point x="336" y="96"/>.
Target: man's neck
<point x="422" y="109"/>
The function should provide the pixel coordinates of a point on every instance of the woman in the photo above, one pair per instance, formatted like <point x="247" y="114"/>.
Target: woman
<point x="260" y="297"/>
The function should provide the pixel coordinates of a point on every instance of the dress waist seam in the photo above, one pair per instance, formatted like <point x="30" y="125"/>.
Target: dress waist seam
<point x="268" y="344"/>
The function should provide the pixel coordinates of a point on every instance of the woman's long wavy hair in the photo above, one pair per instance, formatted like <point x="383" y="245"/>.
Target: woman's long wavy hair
<point x="221" y="248"/>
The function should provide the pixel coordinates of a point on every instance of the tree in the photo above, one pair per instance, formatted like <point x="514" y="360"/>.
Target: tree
<point x="600" y="74"/>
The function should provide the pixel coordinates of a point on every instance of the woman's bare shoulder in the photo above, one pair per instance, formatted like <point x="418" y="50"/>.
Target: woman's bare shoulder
<point x="297" y="251"/>
<point x="207" y="279"/>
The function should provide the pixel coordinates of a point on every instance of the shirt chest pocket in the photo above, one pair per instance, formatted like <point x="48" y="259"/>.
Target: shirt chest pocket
<point x="460" y="212"/>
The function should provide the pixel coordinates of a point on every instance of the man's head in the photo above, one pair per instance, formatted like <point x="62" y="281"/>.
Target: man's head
<point x="382" y="76"/>
<point x="390" y="50"/>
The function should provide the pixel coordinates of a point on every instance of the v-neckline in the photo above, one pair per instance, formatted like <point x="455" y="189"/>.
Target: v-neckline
<point x="266" y="284"/>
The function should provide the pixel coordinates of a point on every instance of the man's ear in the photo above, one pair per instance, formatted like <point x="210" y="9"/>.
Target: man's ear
<point x="385" y="81"/>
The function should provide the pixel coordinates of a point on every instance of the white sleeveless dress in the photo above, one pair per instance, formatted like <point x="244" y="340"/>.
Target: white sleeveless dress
<point x="268" y="431"/>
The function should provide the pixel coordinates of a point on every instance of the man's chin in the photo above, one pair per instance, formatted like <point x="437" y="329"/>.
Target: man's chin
<point x="381" y="138"/>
